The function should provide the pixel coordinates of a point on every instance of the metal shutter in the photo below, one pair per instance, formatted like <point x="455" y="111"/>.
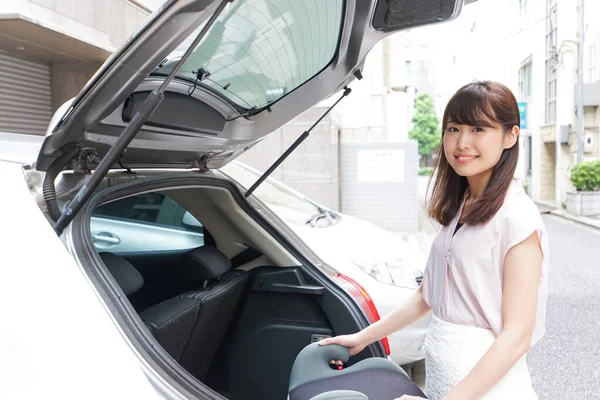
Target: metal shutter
<point x="25" y="96"/>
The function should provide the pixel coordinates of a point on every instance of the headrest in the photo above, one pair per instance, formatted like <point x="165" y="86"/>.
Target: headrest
<point x="204" y="263"/>
<point x="128" y="278"/>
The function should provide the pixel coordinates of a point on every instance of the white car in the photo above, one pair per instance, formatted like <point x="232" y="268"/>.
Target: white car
<point x="384" y="264"/>
<point x="223" y="309"/>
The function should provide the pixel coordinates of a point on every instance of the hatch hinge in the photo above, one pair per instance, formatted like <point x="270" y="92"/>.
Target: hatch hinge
<point x="203" y="162"/>
<point x="86" y="156"/>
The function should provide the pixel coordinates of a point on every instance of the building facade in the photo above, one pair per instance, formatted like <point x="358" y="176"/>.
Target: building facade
<point x="547" y="49"/>
<point x="50" y="48"/>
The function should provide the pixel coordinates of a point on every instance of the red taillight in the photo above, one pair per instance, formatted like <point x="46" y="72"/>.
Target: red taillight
<point x="365" y="301"/>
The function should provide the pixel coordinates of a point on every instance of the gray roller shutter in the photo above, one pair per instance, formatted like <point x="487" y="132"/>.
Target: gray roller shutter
<point x="25" y="96"/>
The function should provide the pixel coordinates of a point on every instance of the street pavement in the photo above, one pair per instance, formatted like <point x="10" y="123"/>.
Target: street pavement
<point x="565" y="363"/>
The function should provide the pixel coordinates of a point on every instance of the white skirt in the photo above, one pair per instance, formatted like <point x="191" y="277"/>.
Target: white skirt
<point x="451" y="352"/>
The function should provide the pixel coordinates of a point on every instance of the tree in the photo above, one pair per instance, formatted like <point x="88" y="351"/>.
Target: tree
<point x="426" y="130"/>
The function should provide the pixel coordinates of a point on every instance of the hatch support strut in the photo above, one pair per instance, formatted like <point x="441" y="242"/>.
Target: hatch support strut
<point x="293" y="147"/>
<point x="150" y="104"/>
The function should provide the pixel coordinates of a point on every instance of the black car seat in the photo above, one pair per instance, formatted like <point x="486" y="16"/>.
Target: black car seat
<point x="127" y="277"/>
<point x="170" y="322"/>
<point x="374" y="378"/>
<point x="192" y="325"/>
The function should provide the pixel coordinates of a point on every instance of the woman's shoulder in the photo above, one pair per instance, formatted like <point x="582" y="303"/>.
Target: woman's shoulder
<point x="519" y="217"/>
<point x="518" y="204"/>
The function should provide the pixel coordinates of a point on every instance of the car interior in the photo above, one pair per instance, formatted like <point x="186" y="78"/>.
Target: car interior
<point x="236" y="311"/>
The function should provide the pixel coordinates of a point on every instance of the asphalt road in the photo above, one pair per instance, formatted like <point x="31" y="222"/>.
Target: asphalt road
<point x="565" y="364"/>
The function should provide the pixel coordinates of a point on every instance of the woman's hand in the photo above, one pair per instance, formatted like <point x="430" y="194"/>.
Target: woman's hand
<point x="354" y="342"/>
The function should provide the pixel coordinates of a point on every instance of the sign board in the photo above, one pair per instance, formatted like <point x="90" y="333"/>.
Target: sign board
<point x="381" y="166"/>
<point x="523" y="114"/>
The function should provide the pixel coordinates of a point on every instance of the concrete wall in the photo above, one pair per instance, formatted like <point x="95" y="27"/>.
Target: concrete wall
<point x="108" y="23"/>
<point x="379" y="183"/>
<point x="105" y="24"/>
<point x="547" y="179"/>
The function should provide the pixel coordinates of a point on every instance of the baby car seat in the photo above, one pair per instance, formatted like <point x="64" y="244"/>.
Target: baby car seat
<point x="312" y="377"/>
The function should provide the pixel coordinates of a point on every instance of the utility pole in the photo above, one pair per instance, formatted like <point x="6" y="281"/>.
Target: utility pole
<point x="580" y="86"/>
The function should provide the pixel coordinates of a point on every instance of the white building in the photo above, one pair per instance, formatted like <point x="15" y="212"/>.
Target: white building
<point x="547" y="49"/>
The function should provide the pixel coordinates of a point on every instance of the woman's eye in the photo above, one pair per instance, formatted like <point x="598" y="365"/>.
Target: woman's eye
<point x="479" y="129"/>
<point x="452" y="129"/>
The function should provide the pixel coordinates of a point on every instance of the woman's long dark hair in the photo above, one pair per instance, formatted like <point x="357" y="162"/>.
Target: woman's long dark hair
<point x="484" y="104"/>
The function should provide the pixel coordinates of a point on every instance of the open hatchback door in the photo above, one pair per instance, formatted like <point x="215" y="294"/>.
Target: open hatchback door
<point x="203" y="81"/>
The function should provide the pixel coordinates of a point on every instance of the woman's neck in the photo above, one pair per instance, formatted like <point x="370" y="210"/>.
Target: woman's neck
<point x="477" y="184"/>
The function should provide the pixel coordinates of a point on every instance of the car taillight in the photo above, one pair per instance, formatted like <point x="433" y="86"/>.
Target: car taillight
<point x="360" y="295"/>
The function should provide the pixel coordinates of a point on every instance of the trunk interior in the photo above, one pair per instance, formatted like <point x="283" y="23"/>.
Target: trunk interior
<point x="233" y="305"/>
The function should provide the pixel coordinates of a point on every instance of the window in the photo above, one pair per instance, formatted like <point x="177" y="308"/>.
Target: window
<point x="259" y="50"/>
<point x="551" y="62"/>
<point x="525" y="82"/>
<point x="147" y="222"/>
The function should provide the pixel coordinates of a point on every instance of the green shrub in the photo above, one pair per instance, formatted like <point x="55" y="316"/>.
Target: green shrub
<point x="586" y="176"/>
<point x="425" y="171"/>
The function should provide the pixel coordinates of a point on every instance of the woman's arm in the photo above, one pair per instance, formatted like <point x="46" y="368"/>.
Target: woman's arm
<point x="404" y="315"/>
<point x="522" y="269"/>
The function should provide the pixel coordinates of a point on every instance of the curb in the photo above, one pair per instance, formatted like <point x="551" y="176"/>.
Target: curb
<point x="580" y="220"/>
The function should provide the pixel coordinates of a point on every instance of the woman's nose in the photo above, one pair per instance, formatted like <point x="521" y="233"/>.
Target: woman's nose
<point x="464" y="140"/>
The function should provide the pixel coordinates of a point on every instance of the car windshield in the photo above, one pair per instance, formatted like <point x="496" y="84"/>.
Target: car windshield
<point x="259" y="50"/>
<point x="281" y="199"/>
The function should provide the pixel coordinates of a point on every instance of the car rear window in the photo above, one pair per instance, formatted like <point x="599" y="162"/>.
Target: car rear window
<point x="260" y="50"/>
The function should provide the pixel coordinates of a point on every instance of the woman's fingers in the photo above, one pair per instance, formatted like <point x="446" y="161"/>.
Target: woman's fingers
<point x="327" y="341"/>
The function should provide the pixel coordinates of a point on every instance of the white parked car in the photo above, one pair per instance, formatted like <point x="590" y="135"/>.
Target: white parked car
<point x="221" y="298"/>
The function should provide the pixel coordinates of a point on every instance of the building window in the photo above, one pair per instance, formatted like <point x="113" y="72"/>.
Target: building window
<point x="551" y="62"/>
<point x="525" y="82"/>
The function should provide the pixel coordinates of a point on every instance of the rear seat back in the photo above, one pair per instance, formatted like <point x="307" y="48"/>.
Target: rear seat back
<point x="192" y="325"/>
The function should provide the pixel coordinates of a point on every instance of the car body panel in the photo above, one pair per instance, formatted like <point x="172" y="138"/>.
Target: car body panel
<point x="56" y="323"/>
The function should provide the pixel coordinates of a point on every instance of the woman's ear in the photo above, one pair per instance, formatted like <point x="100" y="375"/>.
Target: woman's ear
<point x="511" y="137"/>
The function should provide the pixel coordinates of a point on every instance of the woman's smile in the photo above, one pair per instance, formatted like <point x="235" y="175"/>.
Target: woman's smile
<point x="465" y="158"/>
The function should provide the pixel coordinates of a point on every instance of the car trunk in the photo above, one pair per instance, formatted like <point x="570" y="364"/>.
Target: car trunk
<point x="283" y="307"/>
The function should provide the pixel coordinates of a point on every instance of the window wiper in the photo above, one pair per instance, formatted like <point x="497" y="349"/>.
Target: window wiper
<point x="312" y="221"/>
<point x="141" y="116"/>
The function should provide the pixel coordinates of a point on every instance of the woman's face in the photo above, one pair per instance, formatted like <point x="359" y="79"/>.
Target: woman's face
<point x="473" y="150"/>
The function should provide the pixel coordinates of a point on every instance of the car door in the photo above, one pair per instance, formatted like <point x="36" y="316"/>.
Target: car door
<point x="147" y="222"/>
<point x="152" y="232"/>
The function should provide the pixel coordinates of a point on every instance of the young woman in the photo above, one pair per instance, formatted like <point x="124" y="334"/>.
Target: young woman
<point x="486" y="276"/>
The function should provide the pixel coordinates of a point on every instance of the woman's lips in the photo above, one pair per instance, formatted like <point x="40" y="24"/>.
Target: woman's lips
<point x="465" y="158"/>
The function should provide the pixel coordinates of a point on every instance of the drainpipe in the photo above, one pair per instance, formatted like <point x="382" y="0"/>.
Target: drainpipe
<point x="580" y="86"/>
